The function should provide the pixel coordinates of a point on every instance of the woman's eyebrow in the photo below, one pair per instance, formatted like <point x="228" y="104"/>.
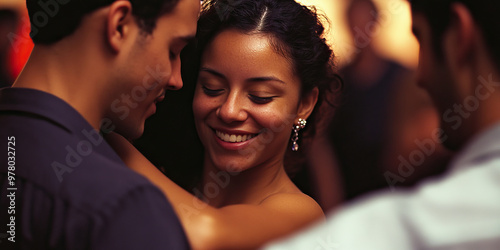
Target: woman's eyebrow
<point x="213" y="72"/>
<point x="265" y="79"/>
<point x="253" y="79"/>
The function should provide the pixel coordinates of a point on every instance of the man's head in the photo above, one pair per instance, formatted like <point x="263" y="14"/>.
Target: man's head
<point x="52" y="20"/>
<point x="129" y="48"/>
<point x="459" y="54"/>
<point x="361" y="14"/>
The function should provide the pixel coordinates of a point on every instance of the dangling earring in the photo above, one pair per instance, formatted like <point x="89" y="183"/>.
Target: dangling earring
<point x="296" y="128"/>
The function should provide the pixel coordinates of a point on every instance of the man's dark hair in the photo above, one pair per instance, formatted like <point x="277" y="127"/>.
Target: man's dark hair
<point x="52" y="20"/>
<point x="485" y="13"/>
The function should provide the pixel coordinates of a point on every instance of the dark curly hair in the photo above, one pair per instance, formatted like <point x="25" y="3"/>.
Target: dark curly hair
<point x="295" y="31"/>
<point x="53" y="20"/>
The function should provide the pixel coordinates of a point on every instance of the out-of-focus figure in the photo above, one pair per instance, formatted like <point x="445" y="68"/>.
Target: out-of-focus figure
<point x="9" y="20"/>
<point x="374" y="130"/>
<point x="460" y="69"/>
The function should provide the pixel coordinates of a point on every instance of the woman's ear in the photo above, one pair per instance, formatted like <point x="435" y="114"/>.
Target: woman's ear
<point x="307" y="104"/>
<point x="119" y="23"/>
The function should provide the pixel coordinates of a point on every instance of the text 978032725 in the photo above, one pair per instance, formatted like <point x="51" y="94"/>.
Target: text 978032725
<point x="11" y="189"/>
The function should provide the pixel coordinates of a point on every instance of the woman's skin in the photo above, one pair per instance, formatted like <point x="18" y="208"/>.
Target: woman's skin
<point x="246" y="92"/>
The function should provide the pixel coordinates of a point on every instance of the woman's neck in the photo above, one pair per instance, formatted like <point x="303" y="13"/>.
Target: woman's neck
<point x="220" y="188"/>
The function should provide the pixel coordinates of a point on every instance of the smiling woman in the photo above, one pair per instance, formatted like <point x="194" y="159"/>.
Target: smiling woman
<point x="245" y="88"/>
<point x="262" y="69"/>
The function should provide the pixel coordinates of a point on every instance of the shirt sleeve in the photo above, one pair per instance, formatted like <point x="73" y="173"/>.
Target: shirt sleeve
<point x="142" y="220"/>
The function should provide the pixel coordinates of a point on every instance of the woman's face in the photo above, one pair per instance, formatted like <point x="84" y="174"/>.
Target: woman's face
<point x="246" y="100"/>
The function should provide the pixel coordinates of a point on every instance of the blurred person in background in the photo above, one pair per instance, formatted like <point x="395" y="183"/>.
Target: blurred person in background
<point x="375" y="124"/>
<point x="460" y="69"/>
<point x="9" y="20"/>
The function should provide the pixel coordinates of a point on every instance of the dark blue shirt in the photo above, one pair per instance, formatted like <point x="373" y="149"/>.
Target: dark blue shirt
<point x="63" y="187"/>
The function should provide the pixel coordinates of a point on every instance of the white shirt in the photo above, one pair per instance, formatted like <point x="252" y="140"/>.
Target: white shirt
<point x="458" y="211"/>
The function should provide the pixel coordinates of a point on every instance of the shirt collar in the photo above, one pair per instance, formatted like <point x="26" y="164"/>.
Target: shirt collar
<point x="49" y="107"/>
<point x="43" y="104"/>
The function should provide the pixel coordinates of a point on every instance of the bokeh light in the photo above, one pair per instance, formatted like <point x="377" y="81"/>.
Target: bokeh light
<point x="394" y="40"/>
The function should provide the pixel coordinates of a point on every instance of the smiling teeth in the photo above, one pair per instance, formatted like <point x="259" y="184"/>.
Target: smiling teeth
<point x="233" y="138"/>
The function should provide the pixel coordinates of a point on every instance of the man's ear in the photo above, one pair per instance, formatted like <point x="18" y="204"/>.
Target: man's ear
<point x="461" y="36"/>
<point x="307" y="104"/>
<point x="119" y="23"/>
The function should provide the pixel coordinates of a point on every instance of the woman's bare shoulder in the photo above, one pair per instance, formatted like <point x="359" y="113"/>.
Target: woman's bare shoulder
<point x="304" y="208"/>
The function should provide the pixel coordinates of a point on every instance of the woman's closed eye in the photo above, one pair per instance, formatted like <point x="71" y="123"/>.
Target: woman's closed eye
<point x="212" y="92"/>
<point x="261" y="99"/>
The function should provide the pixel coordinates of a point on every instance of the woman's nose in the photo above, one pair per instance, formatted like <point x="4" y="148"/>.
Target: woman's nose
<point x="233" y="109"/>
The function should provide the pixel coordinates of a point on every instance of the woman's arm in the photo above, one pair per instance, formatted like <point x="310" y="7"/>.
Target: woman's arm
<point x="230" y="227"/>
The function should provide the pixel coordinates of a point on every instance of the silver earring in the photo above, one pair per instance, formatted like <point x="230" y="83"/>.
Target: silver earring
<point x="296" y="128"/>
